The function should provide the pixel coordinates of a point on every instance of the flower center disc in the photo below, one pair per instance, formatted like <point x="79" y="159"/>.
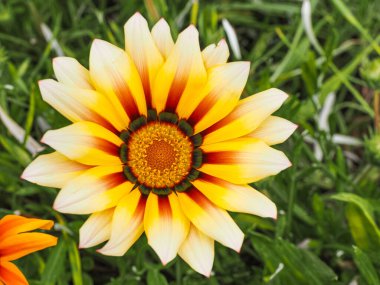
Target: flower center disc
<point x="159" y="155"/>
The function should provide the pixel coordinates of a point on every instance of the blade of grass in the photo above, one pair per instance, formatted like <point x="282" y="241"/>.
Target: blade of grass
<point x="346" y="12"/>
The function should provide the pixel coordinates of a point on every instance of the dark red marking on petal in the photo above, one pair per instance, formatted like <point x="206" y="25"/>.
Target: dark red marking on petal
<point x="211" y="179"/>
<point x="202" y="109"/>
<point x="106" y="146"/>
<point x="144" y="75"/>
<point x="222" y="157"/>
<point x="103" y="122"/>
<point x="197" y="196"/>
<point x="124" y="94"/>
<point x="112" y="180"/>
<point x="175" y="93"/>
<point x="141" y="204"/>
<point x="88" y="115"/>
<point x="140" y="209"/>
<point x="164" y="208"/>
<point x="223" y="122"/>
<point x="107" y="125"/>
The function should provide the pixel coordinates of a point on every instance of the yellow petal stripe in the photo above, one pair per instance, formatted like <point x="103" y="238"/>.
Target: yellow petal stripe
<point x="210" y="219"/>
<point x="162" y="37"/>
<point x="207" y="51"/>
<point x="274" y="130"/>
<point x="114" y="74"/>
<point x="220" y="96"/>
<point x="127" y="224"/>
<point x="242" y="160"/>
<point x="141" y="47"/>
<point x="70" y="72"/>
<point x="166" y="226"/>
<point x="85" y="142"/>
<point x="247" y="116"/>
<point x="97" y="189"/>
<point x="80" y="104"/>
<point x="182" y="74"/>
<point x="216" y="55"/>
<point x="198" y="251"/>
<point x="235" y="198"/>
<point x="53" y="170"/>
<point x="96" y="229"/>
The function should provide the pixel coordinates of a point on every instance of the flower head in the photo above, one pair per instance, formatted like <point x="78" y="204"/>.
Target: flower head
<point x="16" y="242"/>
<point x="161" y="144"/>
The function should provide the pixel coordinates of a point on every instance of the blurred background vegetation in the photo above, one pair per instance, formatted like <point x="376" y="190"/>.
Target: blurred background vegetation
<point x="325" y="54"/>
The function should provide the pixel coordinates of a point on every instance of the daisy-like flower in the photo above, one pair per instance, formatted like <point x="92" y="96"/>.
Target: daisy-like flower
<point x="161" y="144"/>
<point x="16" y="242"/>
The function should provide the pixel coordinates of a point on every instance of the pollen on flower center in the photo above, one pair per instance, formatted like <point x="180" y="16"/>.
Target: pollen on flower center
<point x="159" y="155"/>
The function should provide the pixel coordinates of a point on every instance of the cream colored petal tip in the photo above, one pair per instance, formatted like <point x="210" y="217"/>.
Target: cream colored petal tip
<point x="165" y="232"/>
<point x="162" y="37"/>
<point x="137" y="18"/>
<point x="52" y="170"/>
<point x="274" y="130"/>
<point x="211" y="220"/>
<point x="96" y="229"/>
<point x="198" y="251"/>
<point x="69" y="71"/>
<point x="277" y="93"/>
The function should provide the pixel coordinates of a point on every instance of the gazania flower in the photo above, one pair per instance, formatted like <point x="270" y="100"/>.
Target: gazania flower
<point x="161" y="144"/>
<point x="15" y="243"/>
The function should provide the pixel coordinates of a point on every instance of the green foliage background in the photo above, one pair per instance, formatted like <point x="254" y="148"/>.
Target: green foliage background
<point x="327" y="231"/>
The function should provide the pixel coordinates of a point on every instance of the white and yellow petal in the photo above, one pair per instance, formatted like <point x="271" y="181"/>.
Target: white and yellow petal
<point x="235" y="198"/>
<point x="242" y="160"/>
<point x="182" y="74"/>
<point x="214" y="55"/>
<point x="114" y="74"/>
<point x="80" y="104"/>
<point x="97" y="189"/>
<point x="96" y="229"/>
<point x="220" y="96"/>
<point x="85" y="142"/>
<point x="127" y="224"/>
<point x="207" y="51"/>
<point x="274" y="130"/>
<point x="70" y="72"/>
<point x="53" y="170"/>
<point x="198" y="251"/>
<point x="140" y="45"/>
<point x="166" y="226"/>
<point x="210" y="219"/>
<point x="247" y="116"/>
<point x="162" y="37"/>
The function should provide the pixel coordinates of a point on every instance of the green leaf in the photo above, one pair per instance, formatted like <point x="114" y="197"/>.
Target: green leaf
<point x="342" y="7"/>
<point x="363" y="228"/>
<point x="359" y="214"/>
<point x="156" y="278"/>
<point x="365" y="266"/>
<point x="309" y="73"/>
<point x="342" y="75"/>
<point x="291" y="264"/>
<point x="362" y="203"/>
<point x="17" y="152"/>
<point x="30" y="117"/>
<point x="55" y="264"/>
<point x="75" y="263"/>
